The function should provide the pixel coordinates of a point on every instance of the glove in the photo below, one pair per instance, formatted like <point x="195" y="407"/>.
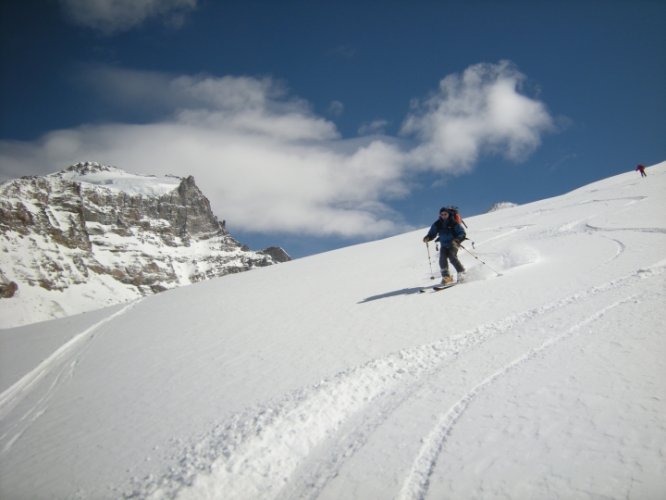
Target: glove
<point x="426" y="239"/>
<point x="456" y="243"/>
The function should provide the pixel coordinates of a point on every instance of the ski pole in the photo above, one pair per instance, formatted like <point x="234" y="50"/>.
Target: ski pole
<point x="482" y="262"/>
<point x="432" y="275"/>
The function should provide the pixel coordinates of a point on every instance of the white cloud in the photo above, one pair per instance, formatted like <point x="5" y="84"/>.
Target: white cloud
<point x="477" y="112"/>
<point x="264" y="160"/>
<point x="268" y="163"/>
<point x="336" y="108"/>
<point x="109" y="16"/>
<point x="374" y="127"/>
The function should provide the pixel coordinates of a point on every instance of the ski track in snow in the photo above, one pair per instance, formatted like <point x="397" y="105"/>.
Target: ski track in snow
<point x="322" y="440"/>
<point x="267" y="452"/>
<point x="637" y="229"/>
<point x="42" y="382"/>
<point x="416" y="485"/>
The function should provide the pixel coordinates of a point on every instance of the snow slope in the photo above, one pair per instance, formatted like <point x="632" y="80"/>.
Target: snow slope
<point x="118" y="180"/>
<point x="332" y="377"/>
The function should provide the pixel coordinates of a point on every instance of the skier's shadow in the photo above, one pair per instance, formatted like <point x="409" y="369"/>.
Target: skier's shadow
<point x="395" y="293"/>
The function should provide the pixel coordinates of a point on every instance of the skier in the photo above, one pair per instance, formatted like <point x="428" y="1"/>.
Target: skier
<point x="641" y="168"/>
<point x="451" y="234"/>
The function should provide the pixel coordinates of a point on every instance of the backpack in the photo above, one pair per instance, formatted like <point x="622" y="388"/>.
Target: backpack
<point x="454" y="215"/>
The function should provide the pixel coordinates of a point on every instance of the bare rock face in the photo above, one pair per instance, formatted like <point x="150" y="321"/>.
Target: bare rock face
<point x="92" y="235"/>
<point x="276" y="253"/>
<point x="7" y="289"/>
<point x="502" y="205"/>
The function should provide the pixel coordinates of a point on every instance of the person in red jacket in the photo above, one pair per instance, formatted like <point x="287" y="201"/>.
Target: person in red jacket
<point x="641" y="168"/>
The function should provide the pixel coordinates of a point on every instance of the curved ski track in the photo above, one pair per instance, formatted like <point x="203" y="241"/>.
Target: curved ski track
<point x="295" y="447"/>
<point x="31" y="394"/>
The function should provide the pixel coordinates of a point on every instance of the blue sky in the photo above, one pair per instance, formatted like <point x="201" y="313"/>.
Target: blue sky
<point x="319" y="124"/>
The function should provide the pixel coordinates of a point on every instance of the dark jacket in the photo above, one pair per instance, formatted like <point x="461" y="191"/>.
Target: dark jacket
<point x="447" y="231"/>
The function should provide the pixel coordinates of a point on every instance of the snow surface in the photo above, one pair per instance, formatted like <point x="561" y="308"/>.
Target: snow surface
<point x="331" y="377"/>
<point x="118" y="180"/>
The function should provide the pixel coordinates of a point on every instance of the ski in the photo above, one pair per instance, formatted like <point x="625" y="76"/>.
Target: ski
<point x="437" y="288"/>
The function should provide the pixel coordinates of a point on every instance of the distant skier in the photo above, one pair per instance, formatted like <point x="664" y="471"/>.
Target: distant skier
<point x="641" y="168"/>
<point x="451" y="234"/>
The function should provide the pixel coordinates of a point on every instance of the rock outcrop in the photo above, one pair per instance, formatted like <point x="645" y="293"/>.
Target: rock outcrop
<point x="96" y="235"/>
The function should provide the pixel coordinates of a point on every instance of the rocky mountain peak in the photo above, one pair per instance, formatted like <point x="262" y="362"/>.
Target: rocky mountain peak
<point x="93" y="235"/>
<point x="89" y="167"/>
<point x="501" y="205"/>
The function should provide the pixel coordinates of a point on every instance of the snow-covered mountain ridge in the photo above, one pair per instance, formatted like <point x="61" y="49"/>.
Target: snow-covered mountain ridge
<point x="501" y="206"/>
<point x="93" y="235"/>
<point x="332" y="377"/>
